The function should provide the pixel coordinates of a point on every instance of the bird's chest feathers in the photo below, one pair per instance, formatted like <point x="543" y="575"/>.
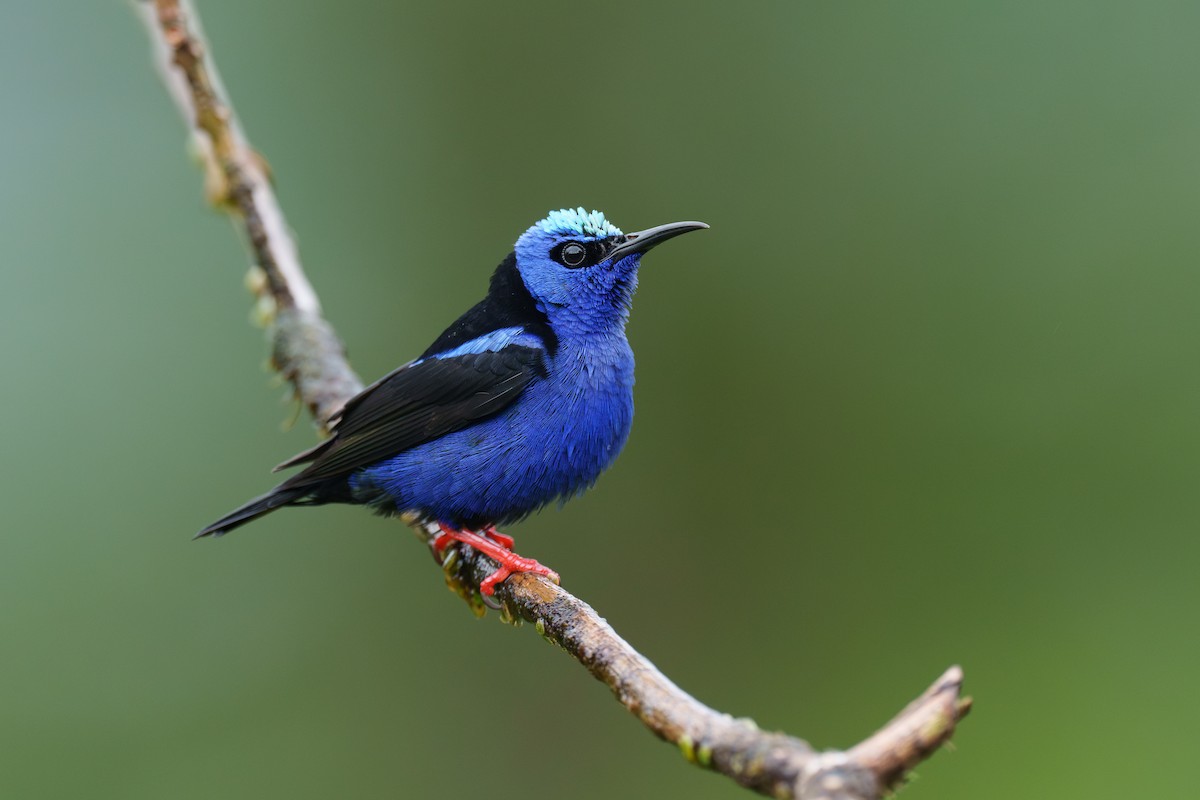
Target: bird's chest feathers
<point x="580" y="414"/>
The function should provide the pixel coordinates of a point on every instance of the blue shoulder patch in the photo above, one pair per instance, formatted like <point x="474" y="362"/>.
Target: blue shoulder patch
<point x="494" y="342"/>
<point x="577" y="222"/>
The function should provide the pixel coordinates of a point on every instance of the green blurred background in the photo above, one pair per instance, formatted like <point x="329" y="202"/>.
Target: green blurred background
<point x="925" y="394"/>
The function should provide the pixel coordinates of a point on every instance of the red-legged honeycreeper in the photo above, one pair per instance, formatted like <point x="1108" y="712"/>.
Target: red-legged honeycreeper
<point x="525" y="399"/>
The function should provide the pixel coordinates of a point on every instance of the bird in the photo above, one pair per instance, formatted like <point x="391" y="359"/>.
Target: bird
<point x="523" y="401"/>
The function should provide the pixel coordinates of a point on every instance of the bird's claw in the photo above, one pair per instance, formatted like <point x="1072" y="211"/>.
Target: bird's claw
<point x="496" y="546"/>
<point x="514" y="563"/>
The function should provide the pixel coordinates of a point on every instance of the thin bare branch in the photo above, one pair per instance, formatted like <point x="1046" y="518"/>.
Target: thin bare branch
<point x="306" y="350"/>
<point x="308" y="353"/>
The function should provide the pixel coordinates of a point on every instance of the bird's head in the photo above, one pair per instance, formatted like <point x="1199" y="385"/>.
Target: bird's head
<point x="580" y="267"/>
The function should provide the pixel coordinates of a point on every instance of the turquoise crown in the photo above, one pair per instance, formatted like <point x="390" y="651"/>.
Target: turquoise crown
<point x="577" y="222"/>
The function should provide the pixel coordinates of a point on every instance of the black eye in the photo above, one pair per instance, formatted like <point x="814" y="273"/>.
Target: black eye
<point x="572" y="254"/>
<point x="577" y="255"/>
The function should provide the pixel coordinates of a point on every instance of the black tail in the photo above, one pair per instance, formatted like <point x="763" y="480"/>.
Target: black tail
<point x="278" y="497"/>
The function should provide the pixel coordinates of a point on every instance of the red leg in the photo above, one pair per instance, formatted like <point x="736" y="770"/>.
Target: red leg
<point x="508" y="561"/>
<point x="440" y="541"/>
<point x="502" y="539"/>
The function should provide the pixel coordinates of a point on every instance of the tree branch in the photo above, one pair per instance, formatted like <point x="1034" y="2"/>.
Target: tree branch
<point x="307" y="352"/>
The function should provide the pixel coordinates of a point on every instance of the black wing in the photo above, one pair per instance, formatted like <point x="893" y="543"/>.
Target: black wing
<point x="416" y="404"/>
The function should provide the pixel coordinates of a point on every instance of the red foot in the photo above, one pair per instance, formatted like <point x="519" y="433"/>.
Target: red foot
<point x="502" y="539"/>
<point x="499" y="551"/>
<point x="442" y="539"/>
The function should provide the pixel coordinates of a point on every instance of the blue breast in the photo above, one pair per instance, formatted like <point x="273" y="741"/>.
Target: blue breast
<point x="552" y="443"/>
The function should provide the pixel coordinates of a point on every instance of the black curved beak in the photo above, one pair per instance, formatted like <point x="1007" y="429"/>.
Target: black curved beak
<point x="641" y="241"/>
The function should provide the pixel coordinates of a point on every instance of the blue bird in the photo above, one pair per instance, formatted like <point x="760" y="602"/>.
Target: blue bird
<point x="524" y="400"/>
